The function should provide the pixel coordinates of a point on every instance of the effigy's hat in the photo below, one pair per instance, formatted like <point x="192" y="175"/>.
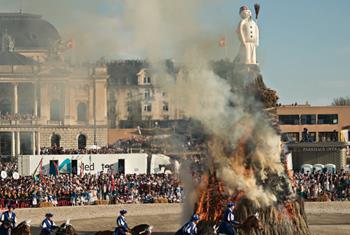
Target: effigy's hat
<point x="123" y="211"/>
<point x="10" y="206"/>
<point x="243" y="8"/>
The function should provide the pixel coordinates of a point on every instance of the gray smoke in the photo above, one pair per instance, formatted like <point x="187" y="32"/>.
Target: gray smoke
<point x="204" y="96"/>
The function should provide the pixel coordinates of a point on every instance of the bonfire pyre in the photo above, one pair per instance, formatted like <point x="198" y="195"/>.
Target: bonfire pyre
<point x="243" y="171"/>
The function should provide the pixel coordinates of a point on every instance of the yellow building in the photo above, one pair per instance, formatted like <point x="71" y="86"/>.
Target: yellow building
<point x="44" y="101"/>
<point x="143" y="104"/>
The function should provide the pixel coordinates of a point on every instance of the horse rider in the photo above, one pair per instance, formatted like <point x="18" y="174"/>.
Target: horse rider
<point x="48" y="225"/>
<point x="190" y="228"/>
<point x="8" y="219"/>
<point x="122" y="226"/>
<point x="228" y="220"/>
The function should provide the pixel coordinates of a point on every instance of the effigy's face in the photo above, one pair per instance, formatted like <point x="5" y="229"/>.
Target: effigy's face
<point x="245" y="14"/>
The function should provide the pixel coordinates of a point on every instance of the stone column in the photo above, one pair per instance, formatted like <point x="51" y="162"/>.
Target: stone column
<point x="15" y="98"/>
<point x="38" y="142"/>
<point x="35" y="100"/>
<point x="66" y="105"/>
<point x="13" y="150"/>
<point x="33" y="143"/>
<point x="91" y="104"/>
<point x="18" y="137"/>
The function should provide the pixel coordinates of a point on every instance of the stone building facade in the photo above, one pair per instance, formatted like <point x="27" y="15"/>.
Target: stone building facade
<point x="43" y="100"/>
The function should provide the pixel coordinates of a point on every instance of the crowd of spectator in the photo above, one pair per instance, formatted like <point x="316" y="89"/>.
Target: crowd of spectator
<point x="9" y="166"/>
<point x="75" y="190"/>
<point x="320" y="186"/>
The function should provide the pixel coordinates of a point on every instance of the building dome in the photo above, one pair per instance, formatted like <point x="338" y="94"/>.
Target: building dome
<point x="29" y="31"/>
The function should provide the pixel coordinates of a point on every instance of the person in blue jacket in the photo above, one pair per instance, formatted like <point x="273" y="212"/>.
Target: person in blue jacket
<point x="190" y="228"/>
<point x="48" y="225"/>
<point x="8" y="219"/>
<point x="122" y="226"/>
<point x="228" y="221"/>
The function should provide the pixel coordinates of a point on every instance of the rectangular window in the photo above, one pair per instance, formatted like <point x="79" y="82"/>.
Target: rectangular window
<point x="146" y="80"/>
<point x="327" y="119"/>
<point x="147" y="94"/>
<point x="165" y="106"/>
<point x="328" y="136"/>
<point x="147" y="108"/>
<point x="308" y="119"/>
<point x="288" y="119"/>
<point x="290" y="137"/>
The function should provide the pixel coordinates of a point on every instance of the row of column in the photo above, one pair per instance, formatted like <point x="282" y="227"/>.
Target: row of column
<point x="16" y="143"/>
<point x="15" y="98"/>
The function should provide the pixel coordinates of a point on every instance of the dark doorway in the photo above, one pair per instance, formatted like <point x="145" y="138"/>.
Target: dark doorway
<point x="55" y="140"/>
<point x="26" y="143"/>
<point x="121" y="166"/>
<point x="81" y="141"/>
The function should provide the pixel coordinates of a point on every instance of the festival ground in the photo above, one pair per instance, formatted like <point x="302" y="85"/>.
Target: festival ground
<point x="331" y="218"/>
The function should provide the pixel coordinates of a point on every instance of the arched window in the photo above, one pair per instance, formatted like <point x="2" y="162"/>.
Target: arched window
<point x="81" y="141"/>
<point x="55" y="140"/>
<point x="82" y="112"/>
<point x="55" y="110"/>
<point x="5" y="106"/>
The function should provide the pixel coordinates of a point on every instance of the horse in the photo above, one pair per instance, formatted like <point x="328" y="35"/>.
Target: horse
<point x="141" y="229"/>
<point x="252" y="222"/>
<point x="66" y="229"/>
<point x="22" y="228"/>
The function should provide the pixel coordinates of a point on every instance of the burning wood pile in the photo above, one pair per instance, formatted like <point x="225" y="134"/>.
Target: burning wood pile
<point x="246" y="168"/>
<point x="282" y="213"/>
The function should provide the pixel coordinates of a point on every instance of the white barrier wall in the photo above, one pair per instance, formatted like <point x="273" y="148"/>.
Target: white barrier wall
<point x="133" y="163"/>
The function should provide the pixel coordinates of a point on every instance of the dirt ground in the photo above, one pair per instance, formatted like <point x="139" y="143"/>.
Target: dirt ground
<point x="324" y="219"/>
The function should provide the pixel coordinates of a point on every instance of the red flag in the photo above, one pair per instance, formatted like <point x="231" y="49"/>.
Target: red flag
<point x="112" y="183"/>
<point x="56" y="167"/>
<point x="222" y="42"/>
<point x="41" y="171"/>
<point x="70" y="44"/>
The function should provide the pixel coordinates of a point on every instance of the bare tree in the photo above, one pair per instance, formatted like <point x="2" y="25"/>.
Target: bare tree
<point x="341" y="101"/>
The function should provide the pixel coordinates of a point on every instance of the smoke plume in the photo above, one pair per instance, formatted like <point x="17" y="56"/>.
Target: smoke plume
<point x="232" y="118"/>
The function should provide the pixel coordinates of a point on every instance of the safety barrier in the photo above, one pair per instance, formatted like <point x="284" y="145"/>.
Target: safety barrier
<point x="27" y="203"/>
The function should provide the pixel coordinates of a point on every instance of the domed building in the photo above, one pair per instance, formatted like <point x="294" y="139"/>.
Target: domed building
<point x="43" y="100"/>
<point x="33" y="36"/>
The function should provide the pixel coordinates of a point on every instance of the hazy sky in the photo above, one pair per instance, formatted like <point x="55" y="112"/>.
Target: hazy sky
<point x="304" y="51"/>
